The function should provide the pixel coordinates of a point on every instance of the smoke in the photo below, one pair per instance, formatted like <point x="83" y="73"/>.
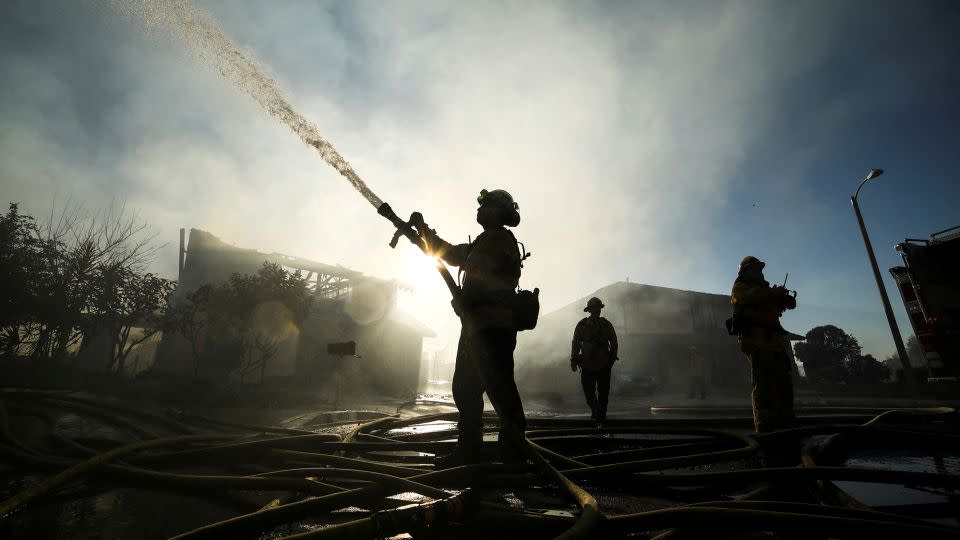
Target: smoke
<point x="196" y="30"/>
<point x="618" y="155"/>
<point x="624" y="131"/>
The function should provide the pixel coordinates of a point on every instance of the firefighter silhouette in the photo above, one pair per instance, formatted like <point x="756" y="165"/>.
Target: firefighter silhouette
<point x="594" y="351"/>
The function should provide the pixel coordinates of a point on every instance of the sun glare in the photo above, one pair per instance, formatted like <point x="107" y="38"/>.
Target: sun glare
<point x="421" y="271"/>
<point x="429" y="301"/>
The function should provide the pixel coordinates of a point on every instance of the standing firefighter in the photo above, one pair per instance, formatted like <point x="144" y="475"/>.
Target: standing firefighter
<point x="757" y="308"/>
<point x="594" y="352"/>
<point x="488" y="335"/>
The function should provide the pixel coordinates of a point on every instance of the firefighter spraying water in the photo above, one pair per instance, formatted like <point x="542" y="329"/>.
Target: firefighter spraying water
<point x="490" y="308"/>
<point x="192" y="27"/>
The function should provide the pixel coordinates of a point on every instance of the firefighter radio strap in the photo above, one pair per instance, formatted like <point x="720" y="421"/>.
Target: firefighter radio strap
<point x="525" y="304"/>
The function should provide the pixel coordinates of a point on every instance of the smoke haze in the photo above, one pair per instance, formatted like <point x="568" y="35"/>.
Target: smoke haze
<point x="635" y="137"/>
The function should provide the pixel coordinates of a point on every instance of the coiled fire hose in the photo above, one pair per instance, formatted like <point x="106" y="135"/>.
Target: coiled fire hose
<point x="322" y="473"/>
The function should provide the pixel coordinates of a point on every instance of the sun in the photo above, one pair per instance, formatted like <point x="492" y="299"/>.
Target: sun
<point x="420" y="271"/>
<point x="429" y="301"/>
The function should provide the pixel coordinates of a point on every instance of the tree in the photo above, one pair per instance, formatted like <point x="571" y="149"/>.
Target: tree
<point x="73" y="278"/>
<point x="825" y="352"/>
<point x="245" y="320"/>
<point x="131" y="300"/>
<point x="269" y="303"/>
<point x="191" y="321"/>
<point x="86" y="259"/>
<point x="866" y="370"/>
<point x="916" y="357"/>
<point x="21" y="256"/>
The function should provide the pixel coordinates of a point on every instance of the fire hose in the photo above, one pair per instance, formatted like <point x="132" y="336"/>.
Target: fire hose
<point x="326" y="473"/>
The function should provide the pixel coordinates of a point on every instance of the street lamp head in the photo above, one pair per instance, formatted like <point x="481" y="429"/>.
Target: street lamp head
<point x="870" y="176"/>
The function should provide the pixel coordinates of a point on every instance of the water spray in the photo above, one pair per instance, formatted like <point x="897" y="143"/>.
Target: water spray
<point x="211" y="45"/>
<point x="198" y="31"/>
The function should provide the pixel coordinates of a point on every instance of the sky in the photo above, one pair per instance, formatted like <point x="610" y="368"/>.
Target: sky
<point x="659" y="142"/>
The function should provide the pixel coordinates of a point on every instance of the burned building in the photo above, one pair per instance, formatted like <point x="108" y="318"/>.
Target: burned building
<point x="348" y="306"/>
<point x="656" y="326"/>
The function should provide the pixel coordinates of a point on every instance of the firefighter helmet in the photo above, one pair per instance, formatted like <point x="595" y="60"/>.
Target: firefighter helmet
<point x="750" y="260"/>
<point x="502" y="199"/>
<point x="594" y="303"/>
<point x="498" y="197"/>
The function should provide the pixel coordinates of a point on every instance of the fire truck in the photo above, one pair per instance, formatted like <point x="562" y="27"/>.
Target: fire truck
<point x="929" y="284"/>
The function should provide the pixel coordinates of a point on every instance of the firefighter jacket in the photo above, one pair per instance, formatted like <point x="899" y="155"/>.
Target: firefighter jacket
<point x="759" y="306"/>
<point x="594" y="344"/>
<point x="491" y="274"/>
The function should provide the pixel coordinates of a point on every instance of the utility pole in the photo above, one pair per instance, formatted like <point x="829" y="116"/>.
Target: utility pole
<point x="908" y="375"/>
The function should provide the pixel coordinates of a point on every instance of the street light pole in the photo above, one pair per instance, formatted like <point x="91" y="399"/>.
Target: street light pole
<point x="908" y="376"/>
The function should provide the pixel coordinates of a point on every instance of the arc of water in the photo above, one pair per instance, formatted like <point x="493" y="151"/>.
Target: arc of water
<point x="201" y="34"/>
